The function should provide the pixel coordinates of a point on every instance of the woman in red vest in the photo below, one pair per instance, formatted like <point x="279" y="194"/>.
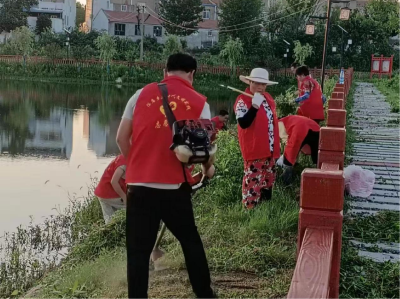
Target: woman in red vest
<point x="111" y="190"/>
<point x="296" y="131"/>
<point x="258" y="138"/>
<point x="220" y="120"/>
<point x="311" y="99"/>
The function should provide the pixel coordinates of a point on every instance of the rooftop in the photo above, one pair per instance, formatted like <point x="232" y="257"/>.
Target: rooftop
<point x="131" y="17"/>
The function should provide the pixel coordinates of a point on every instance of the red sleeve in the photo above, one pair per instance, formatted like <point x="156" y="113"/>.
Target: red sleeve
<point x="293" y="146"/>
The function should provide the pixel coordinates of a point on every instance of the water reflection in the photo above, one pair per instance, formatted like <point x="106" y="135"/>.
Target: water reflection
<point x="40" y="120"/>
<point x="54" y="137"/>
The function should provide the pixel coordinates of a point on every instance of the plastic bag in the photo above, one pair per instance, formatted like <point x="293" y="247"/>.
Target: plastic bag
<point x="358" y="182"/>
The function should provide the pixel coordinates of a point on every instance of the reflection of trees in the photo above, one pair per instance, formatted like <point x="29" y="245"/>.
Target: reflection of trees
<point x="45" y="96"/>
<point x="15" y="124"/>
<point x="105" y="109"/>
<point x="22" y="101"/>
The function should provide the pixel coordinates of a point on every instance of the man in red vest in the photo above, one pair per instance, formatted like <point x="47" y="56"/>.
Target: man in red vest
<point x="296" y="131"/>
<point x="158" y="183"/>
<point x="111" y="190"/>
<point x="311" y="99"/>
<point x="220" y="121"/>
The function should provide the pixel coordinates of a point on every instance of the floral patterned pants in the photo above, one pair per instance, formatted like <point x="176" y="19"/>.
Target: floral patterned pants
<point x="258" y="174"/>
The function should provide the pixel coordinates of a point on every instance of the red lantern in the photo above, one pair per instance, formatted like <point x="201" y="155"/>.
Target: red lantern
<point x="344" y="13"/>
<point x="310" y="28"/>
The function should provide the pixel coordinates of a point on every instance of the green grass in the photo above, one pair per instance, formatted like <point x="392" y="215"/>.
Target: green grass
<point x="105" y="277"/>
<point x="389" y="88"/>
<point x="261" y="241"/>
<point x="364" y="278"/>
<point x="383" y="227"/>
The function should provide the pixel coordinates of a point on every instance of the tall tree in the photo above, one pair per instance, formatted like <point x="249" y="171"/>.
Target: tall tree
<point x="80" y="14"/>
<point x="107" y="47"/>
<point x="302" y="52"/>
<point x="43" y="22"/>
<point x="241" y="19"/>
<point x="172" y="45"/>
<point x="233" y="53"/>
<point x="22" y="41"/>
<point x="14" y="13"/>
<point x="184" y="13"/>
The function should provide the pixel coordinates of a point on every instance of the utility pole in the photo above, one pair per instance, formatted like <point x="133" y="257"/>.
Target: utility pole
<point x="328" y="25"/>
<point x="327" y="28"/>
<point x="140" y="11"/>
<point x="342" y="48"/>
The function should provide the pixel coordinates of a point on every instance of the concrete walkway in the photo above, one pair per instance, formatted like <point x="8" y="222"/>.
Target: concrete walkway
<point x="376" y="148"/>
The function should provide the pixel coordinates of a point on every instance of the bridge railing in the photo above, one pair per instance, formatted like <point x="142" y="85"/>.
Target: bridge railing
<point x="321" y="208"/>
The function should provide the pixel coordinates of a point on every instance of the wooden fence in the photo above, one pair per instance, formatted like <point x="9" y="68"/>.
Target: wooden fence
<point x="205" y="69"/>
<point x="321" y="208"/>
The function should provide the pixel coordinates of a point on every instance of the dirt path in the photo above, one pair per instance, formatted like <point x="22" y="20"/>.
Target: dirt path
<point x="175" y="284"/>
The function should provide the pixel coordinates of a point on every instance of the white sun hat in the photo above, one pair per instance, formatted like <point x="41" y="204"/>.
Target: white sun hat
<point x="257" y="75"/>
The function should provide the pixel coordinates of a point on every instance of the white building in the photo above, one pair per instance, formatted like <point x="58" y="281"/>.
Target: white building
<point x="51" y="136"/>
<point x="122" y="20"/>
<point x="102" y="138"/>
<point x="61" y="12"/>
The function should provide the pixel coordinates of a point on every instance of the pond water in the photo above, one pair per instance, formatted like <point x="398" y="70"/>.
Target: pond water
<point x="54" y="138"/>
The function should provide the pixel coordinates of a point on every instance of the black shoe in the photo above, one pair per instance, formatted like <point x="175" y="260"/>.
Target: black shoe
<point x="213" y="294"/>
<point x="266" y="194"/>
<point x="287" y="175"/>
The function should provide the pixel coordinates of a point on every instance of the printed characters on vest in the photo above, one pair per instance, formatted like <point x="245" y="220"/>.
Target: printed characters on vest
<point x="158" y="183"/>
<point x="111" y="189"/>
<point x="311" y="100"/>
<point x="220" y="121"/>
<point x="296" y="132"/>
<point x="258" y="138"/>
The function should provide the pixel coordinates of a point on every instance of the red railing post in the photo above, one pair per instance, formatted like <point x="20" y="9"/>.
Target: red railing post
<point x="317" y="270"/>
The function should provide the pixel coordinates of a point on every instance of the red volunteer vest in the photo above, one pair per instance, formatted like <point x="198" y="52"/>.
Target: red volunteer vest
<point x="104" y="189"/>
<point x="150" y="160"/>
<point x="312" y="107"/>
<point x="254" y="141"/>
<point x="297" y="128"/>
<point x="218" y="124"/>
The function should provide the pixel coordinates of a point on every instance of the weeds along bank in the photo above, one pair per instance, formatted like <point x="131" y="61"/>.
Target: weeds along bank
<point x="389" y="88"/>
<point x="260" y="241"/>
<point x="117" y="74"/>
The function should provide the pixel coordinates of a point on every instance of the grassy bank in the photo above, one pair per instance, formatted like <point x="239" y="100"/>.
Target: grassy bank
<point x="389" y="88"/>
<point x="250" y="252"/>
<point x="115" y="74"/>
<point x="361" y="277"/>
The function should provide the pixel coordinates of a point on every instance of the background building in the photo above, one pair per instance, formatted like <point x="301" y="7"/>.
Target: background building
<point x="120" y="18"/>
<point x="61" y="12"/>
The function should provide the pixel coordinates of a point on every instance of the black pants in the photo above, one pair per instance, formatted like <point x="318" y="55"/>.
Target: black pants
<point x="312" y="139"/>
<point x="145" y="208"/>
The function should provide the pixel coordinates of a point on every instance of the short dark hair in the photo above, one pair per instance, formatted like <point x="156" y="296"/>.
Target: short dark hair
<point x="223" y="112"/>
<point x="302" y="70"/>
<point x="181" y="62"/>
<point x="294" y="65"/>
